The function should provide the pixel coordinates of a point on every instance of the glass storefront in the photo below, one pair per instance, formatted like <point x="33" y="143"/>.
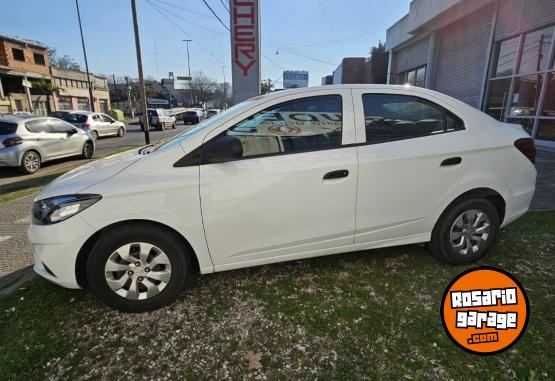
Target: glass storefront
<point x="521" y="85"/>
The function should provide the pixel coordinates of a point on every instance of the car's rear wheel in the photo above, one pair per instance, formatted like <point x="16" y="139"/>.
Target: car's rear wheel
<point x="121" y="132"/>
<point x="138" y="267"/>
<point x="174" y="125"/>
<point x="30" y="162"/>
<point x="466" y="231"/>
<point x="94" y="135"/>
<point x="88" y="150"/>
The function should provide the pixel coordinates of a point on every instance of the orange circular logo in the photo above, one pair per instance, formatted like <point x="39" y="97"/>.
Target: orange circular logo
<point x="485" y="310"/>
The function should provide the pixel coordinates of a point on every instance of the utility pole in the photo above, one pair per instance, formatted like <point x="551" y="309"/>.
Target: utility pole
<point x="91" y="97"/>
<point x="189" y="66"/>
<point x="129" y="101"/>
<point x="225" y="86"/>
<point x="116" y="91"/>
<point x="146" y="122"/>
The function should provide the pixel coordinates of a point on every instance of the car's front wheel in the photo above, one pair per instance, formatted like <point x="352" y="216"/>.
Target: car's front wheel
<point x="466" y="231"/>
<point x="138" y="267"/>
<point x="121" y="132"/>
<point x="94" y="135"/>
<point x="88" y="150"/>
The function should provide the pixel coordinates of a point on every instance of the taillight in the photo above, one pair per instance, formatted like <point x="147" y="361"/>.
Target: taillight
<point x="527" y="147"/>
<point x="13" y="141"/>
<point x="86" y="125"/>
<point x="158" y="120"/>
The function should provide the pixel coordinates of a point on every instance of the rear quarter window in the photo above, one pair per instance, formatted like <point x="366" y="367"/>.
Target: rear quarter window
<point x="7" y="128"/>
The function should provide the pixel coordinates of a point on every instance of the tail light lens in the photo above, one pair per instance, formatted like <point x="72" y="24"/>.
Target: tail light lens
<point x="158" y="120"/>
<point x="527" y="147"/>
<point x="86" y="125"/>
<point x="13" y="141"/>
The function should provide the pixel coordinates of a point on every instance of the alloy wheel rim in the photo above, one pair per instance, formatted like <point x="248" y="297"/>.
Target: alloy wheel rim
<point x="88" y="150"/>
<point x="32" y="162"/>
<point x="469" y="232"/>
<point x="138" y="271"/>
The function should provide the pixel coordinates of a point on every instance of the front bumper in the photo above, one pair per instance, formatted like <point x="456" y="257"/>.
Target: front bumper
<point x="55" y="249"/>
<point x="10" y="156"/>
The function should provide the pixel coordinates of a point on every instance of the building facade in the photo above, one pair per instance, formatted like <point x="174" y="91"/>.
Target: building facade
<point x="73" y="92"/>
<point x="21" y="63"/>
<point x="353" y="70"/>
<point x="495" y="55"/>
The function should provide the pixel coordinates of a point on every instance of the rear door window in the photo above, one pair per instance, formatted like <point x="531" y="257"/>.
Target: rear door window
<point x="37" y="126"/>
<point x="76" y="118"/>
<point x="390" y="117"/>
<point x="60" y="126"/>
<point x="7" y="128"/>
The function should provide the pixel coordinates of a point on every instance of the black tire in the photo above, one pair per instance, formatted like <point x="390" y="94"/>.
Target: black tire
<point x="94" y="135"/>
<point x="169" y="242"/>
<point x="30" y="162"/>
<point x="440" y="244"/>
<point x="121" y="132"/>
<point x="88" y="150"/>
<point x="174" y="125"/>
<point x="161" y="127"/>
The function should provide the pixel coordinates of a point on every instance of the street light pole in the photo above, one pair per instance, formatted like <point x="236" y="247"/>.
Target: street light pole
<point x="91" y="97"/>
<point x="189" y="67"/>
<point x="146" y="122"/>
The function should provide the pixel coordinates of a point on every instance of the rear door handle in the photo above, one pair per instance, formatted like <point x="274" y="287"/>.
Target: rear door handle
<point x="336" y="174"/>
<point x="451" y="161"/>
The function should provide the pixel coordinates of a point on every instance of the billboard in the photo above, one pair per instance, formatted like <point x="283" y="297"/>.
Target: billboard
<point x="245" y="48"/>
<point x="295" y="78"/>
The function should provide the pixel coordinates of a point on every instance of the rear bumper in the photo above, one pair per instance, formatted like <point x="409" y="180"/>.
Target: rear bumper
<point x="522" y="190"/>
<point x="10" y="156"/>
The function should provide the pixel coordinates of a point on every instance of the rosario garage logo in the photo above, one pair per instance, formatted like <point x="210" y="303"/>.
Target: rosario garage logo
<point x="484" y="310"/>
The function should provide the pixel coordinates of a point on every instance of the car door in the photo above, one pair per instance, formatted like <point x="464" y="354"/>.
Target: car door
<point x="111" y="125"/>
<point x="100" y="125"/>
<point x="44" y="137"/>
<point x="292" y="194"/>
<point x="414" y="154"/>
<point x="69" y="141"/>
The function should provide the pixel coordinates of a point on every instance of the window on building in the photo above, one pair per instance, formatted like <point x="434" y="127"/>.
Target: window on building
<point x="18" y="54"/>
<point x="64" y="103"/>
<point x="414" y="77"/>
<point x="18" y="105"/>
<point x="535" y="51"/>
<point x="103" y="103"/>
<point x="517" y="92"/>
<point x="83" y="104"/>
<point x="302" y="125"/>
<point x="391" y="117"/>
<point x="39" y="59"/>
<point x="546" y="129"/>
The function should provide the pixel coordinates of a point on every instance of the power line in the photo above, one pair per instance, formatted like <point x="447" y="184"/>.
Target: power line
<point x="190" y="22"/>
<point x="182" y="30"/>
<point x="223" y="4"/>
<point x="328" y="21"/>
<point x="215" y="14"/>
<point x="184" y="9"/>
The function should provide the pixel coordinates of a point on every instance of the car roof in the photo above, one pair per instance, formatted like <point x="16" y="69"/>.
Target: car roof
<point x="18" y="118"/>
<point x="83" y="112"/>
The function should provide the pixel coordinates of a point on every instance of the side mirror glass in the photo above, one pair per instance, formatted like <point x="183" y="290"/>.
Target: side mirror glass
<point x="222" y="149"/>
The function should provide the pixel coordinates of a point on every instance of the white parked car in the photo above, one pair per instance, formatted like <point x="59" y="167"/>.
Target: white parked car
<point x="284" y="176"/>
<point x="97" y="123"/>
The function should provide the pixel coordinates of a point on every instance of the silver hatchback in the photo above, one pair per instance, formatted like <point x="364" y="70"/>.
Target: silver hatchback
<point x="27" y="142"/>
<point x="97" y="123"/>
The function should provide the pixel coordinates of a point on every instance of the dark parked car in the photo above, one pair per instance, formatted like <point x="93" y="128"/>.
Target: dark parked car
<point x="59" y="114"/>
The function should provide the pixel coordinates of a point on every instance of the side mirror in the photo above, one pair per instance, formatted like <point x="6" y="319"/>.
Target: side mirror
<point x="72" y="131"/>
<point x="222" y="149"/>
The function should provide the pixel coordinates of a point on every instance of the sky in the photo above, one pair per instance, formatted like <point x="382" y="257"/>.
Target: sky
<point x="311" y="35"/>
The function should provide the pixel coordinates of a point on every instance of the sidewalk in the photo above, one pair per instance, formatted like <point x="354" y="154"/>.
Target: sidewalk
<point x="16" y="255"/>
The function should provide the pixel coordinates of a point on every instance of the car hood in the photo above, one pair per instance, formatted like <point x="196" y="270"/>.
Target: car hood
<point x="79" y="179"/>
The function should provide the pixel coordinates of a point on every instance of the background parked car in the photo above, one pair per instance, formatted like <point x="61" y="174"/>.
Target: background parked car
<point x="212" y="112"/>
<point x="60" y="114"/>
<point x="159" y="119"/>
<point x="192" y="116"/>
<point x="27" y="142"/>
<point x="97" y="123"/>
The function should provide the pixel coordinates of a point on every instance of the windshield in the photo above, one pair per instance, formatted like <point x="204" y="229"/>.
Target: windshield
<point x="215" y="120"/>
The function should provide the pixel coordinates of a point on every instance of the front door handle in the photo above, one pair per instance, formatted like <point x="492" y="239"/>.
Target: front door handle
<point x="336" y="174"/>
<point x="451" y="161"/>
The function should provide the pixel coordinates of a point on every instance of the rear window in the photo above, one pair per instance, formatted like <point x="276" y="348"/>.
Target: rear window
<point x="152" y="113"/>
<point x="76" y="118"/>
<point x="7" y="128"/>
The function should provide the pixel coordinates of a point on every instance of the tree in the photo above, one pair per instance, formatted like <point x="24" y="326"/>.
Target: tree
<point x="201" y="88"/>
<point x="46" y="87"/>
<point x="65" y="63"/>
<point x="379" y="60"/>
<point x="266" y="87"/>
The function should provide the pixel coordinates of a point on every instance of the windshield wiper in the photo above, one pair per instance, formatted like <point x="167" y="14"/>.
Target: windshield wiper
<point x="148" y="149"/>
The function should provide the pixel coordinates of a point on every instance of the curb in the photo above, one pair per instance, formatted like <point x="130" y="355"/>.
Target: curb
<point x="11" y="281"/>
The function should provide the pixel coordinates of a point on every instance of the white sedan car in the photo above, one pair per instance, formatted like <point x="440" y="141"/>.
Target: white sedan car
<point x="284" y="176"/>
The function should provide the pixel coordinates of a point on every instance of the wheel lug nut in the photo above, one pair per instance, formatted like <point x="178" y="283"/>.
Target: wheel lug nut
<point x="147" y="269"/>
<point x="137" y="264"/>
<point x="130" y="272"/>
<point x="140" y="279"/>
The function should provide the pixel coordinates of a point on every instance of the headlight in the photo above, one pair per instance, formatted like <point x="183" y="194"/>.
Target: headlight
<point x="59" y="208"/>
